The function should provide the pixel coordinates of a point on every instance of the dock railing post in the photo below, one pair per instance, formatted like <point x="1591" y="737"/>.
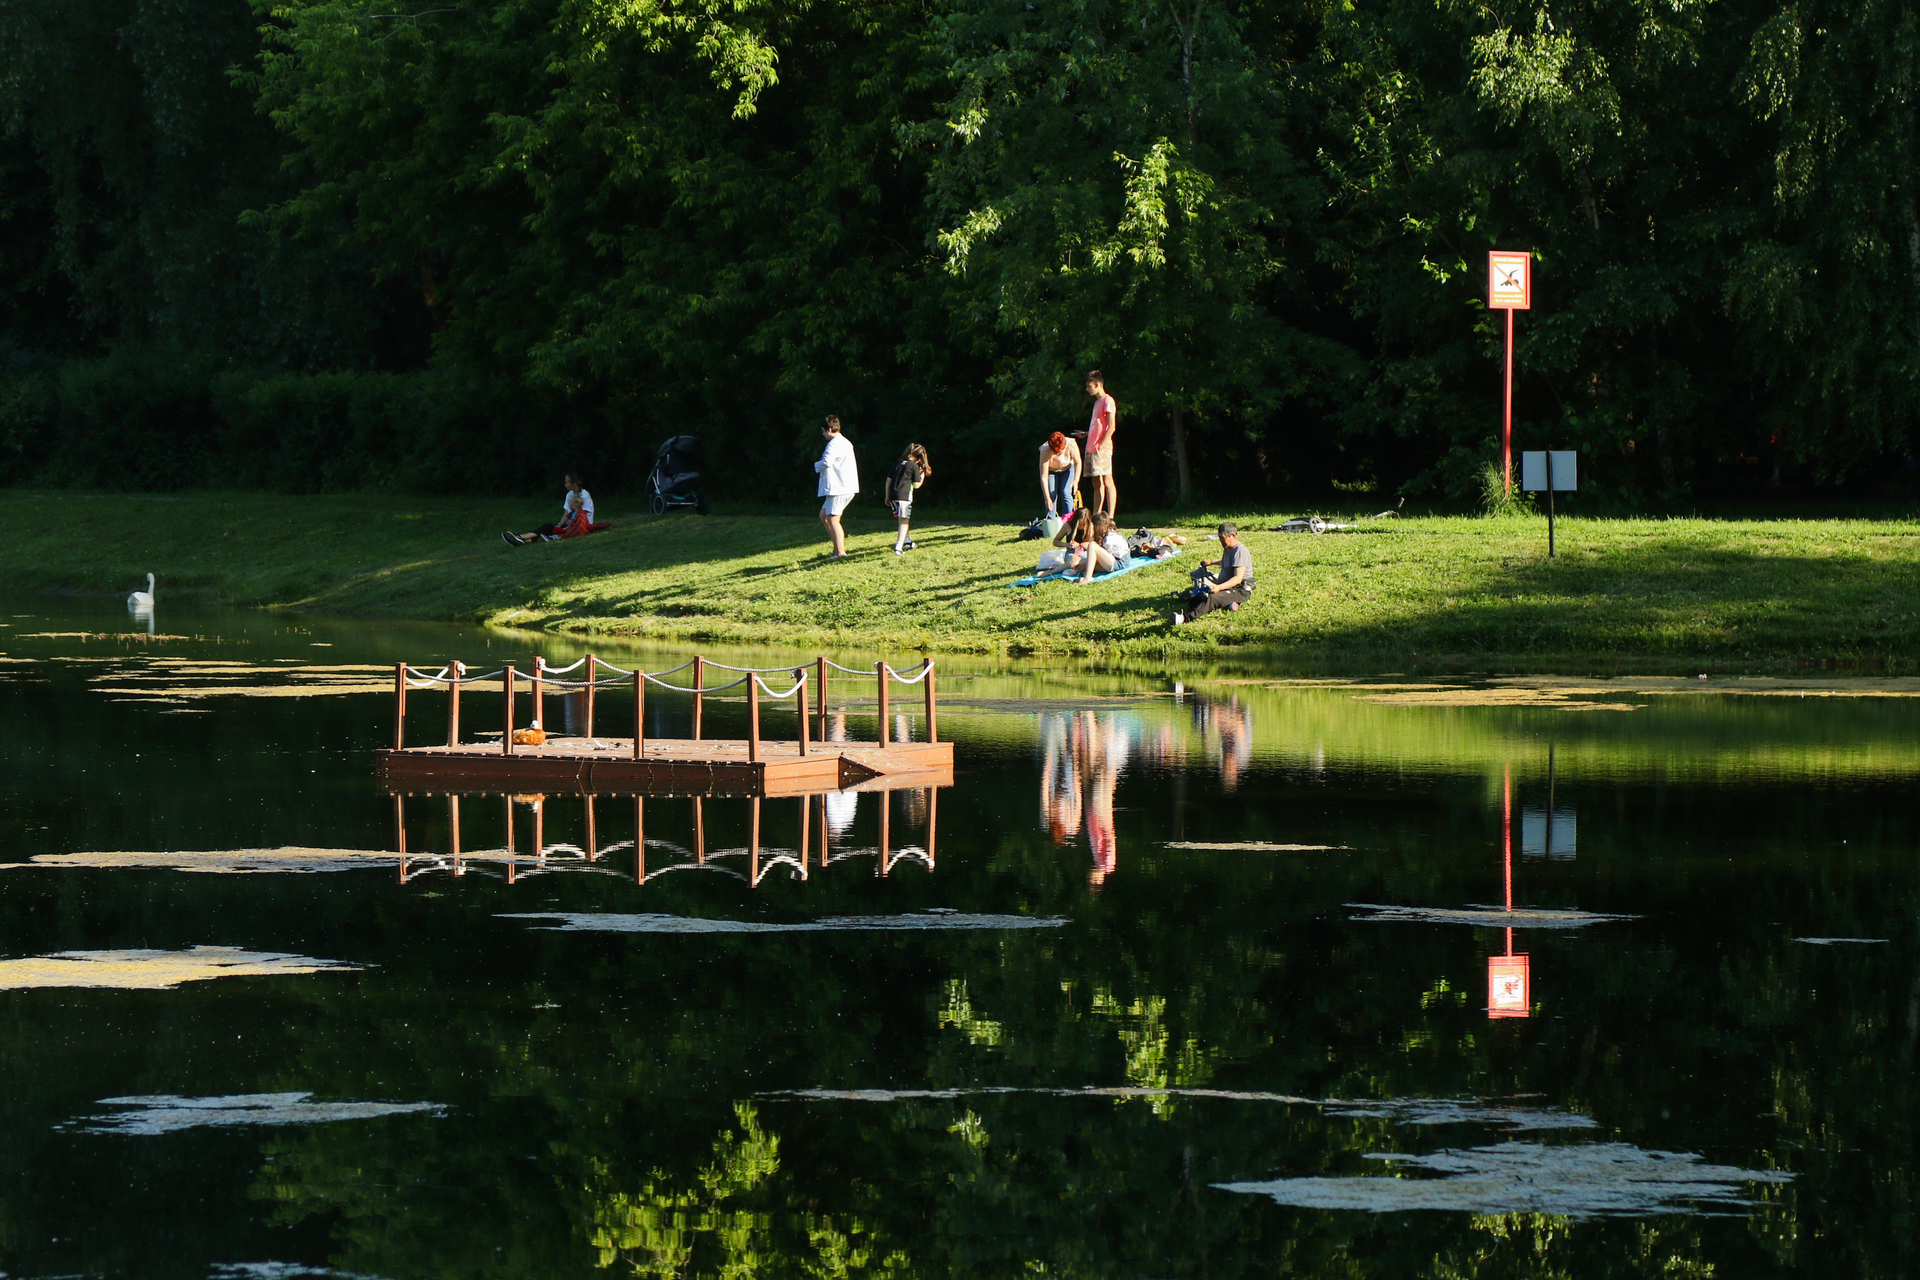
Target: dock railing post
<point x="459" y="670"/>
<point x="820" y="695"/>
<point x="800" y="706"/>
<point x="539" y="679"/>
<point x="886" y="811"/>
<point x="753" y="721"/>
<point x="826" y="834"/>
<point x="639" y="714"/>
<point x="933" y="711"/>
<point x="639" y="839"/>
<point x="753" y="845"/>
<point x="880" y="681"/>
<point x="699" y="695"/>
<point x="593" y="843"/>
<point x="506" y="739"/>
<point x="806" y="820"/>
<point x="933" y="796"/>
<point x="399" y="706"/>
<point x="699" y="832"/>
<point x="593" y="665"/>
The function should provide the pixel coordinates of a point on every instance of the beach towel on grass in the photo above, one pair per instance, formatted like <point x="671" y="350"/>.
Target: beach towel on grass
<point x="1035" y="579"/>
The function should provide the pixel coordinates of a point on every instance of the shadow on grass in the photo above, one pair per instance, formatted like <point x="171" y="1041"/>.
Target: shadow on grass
<point x="1651" y="599"/>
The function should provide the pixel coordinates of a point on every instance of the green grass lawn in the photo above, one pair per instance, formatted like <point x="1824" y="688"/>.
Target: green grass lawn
<point x="1409" y="594"/>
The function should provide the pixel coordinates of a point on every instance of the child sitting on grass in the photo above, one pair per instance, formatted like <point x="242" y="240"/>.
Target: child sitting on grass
<point x="576" y="517"/>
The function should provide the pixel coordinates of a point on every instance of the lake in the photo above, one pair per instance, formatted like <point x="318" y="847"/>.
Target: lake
<point x="1188" y="974"/>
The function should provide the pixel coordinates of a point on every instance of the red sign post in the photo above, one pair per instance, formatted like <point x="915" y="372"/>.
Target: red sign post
<point x="1509" y="982"/>
<point x="1509" y="289"/>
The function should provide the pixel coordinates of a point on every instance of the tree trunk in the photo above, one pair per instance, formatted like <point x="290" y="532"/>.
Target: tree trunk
<point x="1181" y="469"/>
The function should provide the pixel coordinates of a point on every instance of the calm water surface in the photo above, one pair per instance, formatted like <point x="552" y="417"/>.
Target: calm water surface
<point x="1041" y="1039"/>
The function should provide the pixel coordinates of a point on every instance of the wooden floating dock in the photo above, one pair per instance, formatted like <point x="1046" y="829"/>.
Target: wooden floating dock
<point x="590" y="763"/>
<point x="678" y="765"/>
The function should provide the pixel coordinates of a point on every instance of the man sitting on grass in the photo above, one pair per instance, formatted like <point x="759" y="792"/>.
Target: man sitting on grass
<point x="576" y="517"/>
<point x="1230" y="590"/>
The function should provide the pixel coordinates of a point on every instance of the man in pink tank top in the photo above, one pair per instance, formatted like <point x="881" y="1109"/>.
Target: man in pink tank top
<point x="1099" y="451"/>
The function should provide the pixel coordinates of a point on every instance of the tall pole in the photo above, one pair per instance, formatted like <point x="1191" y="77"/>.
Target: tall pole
<point x="1506" y="433"/>
<point x="1549" y="499"/>
<point x="1506" y="838"/>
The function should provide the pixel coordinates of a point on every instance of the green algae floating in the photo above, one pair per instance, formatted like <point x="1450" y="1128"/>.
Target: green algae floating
<point x="1497" y="917"/>
<point x="169" y="1113"/>
<point x="143" y="970"/>
<point x="1598" y="1180"/>
<point x="232" y="862"/>
<point x="609" y="922"/>
<point x="1253" y="846"/>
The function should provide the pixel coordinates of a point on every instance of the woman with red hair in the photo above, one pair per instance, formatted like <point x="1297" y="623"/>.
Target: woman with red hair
<point x="1059" y="473"/>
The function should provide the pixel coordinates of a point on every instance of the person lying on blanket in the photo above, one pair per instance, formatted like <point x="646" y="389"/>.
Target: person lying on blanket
<point x="1104" y="551"/>
<point x="576" y="518"/>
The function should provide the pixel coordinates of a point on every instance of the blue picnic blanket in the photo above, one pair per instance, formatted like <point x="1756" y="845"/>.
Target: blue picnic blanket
<point x="1139" y="562"/>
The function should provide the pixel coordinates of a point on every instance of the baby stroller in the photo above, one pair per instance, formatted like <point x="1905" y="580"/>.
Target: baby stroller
<point x="674" y="471"/>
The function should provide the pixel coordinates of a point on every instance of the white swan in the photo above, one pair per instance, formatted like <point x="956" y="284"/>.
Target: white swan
<point x="142" y="599"/>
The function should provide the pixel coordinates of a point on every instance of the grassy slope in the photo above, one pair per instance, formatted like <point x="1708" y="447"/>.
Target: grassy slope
<point x="1645" y="593"/>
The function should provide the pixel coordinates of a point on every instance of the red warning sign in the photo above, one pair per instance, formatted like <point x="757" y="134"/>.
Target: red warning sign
<point x="1509" y="281"/>
<point x="1508" y="987"/>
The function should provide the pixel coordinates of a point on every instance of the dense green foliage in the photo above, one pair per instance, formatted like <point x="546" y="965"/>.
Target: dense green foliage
<point x="330" y="244"/>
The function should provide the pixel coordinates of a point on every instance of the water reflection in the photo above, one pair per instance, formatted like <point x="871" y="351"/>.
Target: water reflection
<point x="1083" y="755"/>
<point x="1227" y="729"/>
<point x="825" y="821"/>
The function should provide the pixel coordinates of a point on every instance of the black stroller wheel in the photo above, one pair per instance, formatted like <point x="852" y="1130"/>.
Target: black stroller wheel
<point x="700" y="504"/>
<point x="657" y="504"/>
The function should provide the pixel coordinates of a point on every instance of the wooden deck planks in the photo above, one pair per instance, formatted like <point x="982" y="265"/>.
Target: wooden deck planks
<point x="680" y="766"/>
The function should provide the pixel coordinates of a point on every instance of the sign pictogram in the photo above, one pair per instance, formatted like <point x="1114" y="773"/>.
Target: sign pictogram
<point x="1510" y="281"/>
<point x="1507" y="985"/>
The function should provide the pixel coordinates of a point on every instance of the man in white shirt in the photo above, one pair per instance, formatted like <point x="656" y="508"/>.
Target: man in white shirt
<point x="839" y="481"/>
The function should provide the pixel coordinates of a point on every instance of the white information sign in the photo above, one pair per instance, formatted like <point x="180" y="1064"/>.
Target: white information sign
<point x="1533" y="470"/>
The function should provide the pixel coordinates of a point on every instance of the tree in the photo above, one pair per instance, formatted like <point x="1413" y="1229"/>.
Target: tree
<point x="1115" y="187"/>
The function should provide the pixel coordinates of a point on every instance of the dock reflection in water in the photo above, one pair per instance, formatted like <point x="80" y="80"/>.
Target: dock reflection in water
<point x="818" y="825"/>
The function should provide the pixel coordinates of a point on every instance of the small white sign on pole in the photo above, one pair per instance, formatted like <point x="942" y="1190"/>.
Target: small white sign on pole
<point x="1533" y="470"/>
<point x="1550" y="470"/>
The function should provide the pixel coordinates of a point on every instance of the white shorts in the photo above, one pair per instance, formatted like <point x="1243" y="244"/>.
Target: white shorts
<point x="834" y="503"/>
<point x="902" y="510"/>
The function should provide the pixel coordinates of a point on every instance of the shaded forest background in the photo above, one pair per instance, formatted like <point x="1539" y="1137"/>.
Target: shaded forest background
<point x="456" y="245"/>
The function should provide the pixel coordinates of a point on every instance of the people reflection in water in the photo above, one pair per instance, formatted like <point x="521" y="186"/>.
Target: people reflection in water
<point x="841" y="808"/>
<point x="1227" y="729"/>
<point x="1084" y="755"/>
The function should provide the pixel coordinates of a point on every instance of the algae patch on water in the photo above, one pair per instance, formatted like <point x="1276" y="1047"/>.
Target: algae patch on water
<point x="169" y="1113"/>
<point x="1252" y="846"/>
<point x="1495" y="917"/>
<point x="143" y="970"/>
<point x="583" y="921"/>
<point x="291" y="859"/>
<point x="1611" y="1179"/>
<point x="1415" y="1111"/>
